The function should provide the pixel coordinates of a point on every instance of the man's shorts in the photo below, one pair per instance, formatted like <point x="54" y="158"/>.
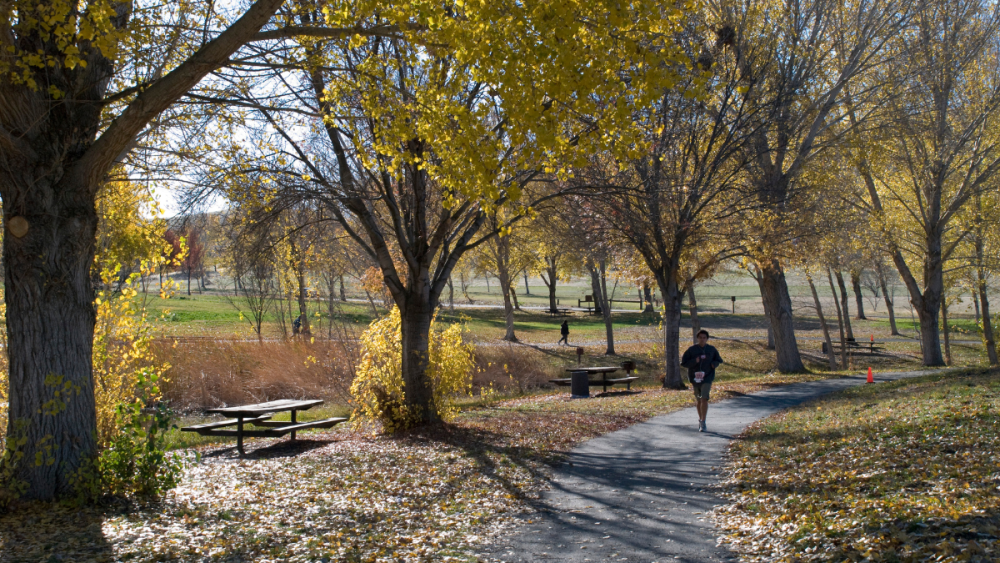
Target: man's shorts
<point x="701" y="390"/>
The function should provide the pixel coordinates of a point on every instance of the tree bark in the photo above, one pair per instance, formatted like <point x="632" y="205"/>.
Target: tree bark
<point x="945" y="331"/>
<point x="888" y="304"/>
<point x="451" y="294"/>
<point x="693" y="311"/>
<point x="343" y="294"/>
<point x="778" y="306"/>
<point x="858" y="298"/>
<point x="844" y="306"/>
<point x="840" y="322"/>
<point x="527" y="290"/>
<point x="50" y="330"/>
<point x="830" y="354"/>
<point x="988" y="337"/>
<point x="975" y="303"/>
<point x="672" y="378"/>
<point x="551" y="272"/>
<point x="513" y="296"/>
<point x="648" y="295"/>
<point x="599" y="287"/>
<point x="415" y="327"/>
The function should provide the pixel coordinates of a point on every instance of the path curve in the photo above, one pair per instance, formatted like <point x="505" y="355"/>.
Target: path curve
<point x="638" y="494"/>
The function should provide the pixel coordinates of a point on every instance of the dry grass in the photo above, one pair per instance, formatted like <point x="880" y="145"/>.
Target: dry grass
<point x="212" y="372"/>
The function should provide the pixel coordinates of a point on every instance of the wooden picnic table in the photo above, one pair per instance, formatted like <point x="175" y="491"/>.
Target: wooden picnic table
<point x="604" y="381"/>
<point x="259" y="414"/>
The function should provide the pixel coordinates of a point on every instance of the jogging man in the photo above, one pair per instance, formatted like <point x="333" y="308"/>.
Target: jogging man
<point x="701" y="361"/>
<point x="564" y="330"/>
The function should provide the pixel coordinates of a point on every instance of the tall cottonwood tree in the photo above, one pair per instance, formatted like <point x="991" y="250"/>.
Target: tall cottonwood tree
<point x="802" y="54"/>
<point x="79" y="83"/>
<point x="942" y="147"/>
<point x="412" y="141"/>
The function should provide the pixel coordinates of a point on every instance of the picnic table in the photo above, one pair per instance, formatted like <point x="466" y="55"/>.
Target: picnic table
<point x="259" y="415"/>
<point x="853" y="346"/>
<point x="592" y="381"/>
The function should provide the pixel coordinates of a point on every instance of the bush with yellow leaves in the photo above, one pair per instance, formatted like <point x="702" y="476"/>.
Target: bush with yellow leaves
<point x="378" y="386"/>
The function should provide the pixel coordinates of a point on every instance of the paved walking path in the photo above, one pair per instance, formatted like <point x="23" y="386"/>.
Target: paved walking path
<point x="638" y="494"/>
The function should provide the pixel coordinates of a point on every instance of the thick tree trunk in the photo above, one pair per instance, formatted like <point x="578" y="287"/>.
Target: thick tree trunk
<point x="50" y="331"/>
<point x="888" y="305"/>
<point x="693" y="311"/>
<point x="451" y="294"/>
<point x="648" y="294"/>
<point x="830" y="354"/>
<point x="844" y="305"/>
<point x="778" y="306"/>
<point x="767" y="317"/>
<point x="415" y="326"/>
<point x="840" y="322"/>
<point x="672" y="378"/>
<point x="858" y="298"/>
<point x="550" y="282"/>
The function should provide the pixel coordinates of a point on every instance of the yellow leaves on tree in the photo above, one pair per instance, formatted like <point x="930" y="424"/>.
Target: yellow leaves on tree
<point x="378" y="386"/>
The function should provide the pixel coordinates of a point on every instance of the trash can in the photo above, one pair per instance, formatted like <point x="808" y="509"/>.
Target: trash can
<point x="579" y="385"/>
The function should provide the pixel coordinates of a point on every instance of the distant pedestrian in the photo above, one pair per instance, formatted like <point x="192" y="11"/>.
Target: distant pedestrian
<point x="296" y="325"/>
<point x="701" y="361"/>
<point x="564" y="330"/>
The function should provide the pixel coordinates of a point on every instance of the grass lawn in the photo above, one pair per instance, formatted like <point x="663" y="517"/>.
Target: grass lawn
<point x="902" y="471"/>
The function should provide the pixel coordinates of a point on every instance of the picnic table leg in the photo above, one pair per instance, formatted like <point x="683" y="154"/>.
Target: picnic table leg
<point x="239" y="435"/>
<point x="293" y="422"/>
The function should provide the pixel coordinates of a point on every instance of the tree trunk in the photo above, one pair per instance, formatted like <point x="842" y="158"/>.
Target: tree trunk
<point x="840" y="322"/>
<point x="778" y="306"/>
<point x="50" y="331"/>
<point x="844" y="306"/>
<point x="606" y="310"/>
<point x="988" y="338"/>
<point x="672" y="378"/>
<point x="830" y="354"/>
<point x="550" y="282"/>
<point x="945" y="331"/>
<point x="888" y="304"/>
<point x="648" y="294"/>
<point x="693" y="310"/>
<point x="527" y="290"/>
<point x="415" y="326"/>
<point x="858" y="298"/>
<point x="508" y="307"/>
<point x="189" y="280"/>
<point x="975" y="303"/>
<point x="343" y="294"/>
<point x="300" y="277"/>
<point x="451" y="294"/>
<point x="513" y="296"/>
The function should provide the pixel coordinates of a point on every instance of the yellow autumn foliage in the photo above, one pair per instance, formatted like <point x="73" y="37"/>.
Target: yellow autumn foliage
<point x="378" y="385"/>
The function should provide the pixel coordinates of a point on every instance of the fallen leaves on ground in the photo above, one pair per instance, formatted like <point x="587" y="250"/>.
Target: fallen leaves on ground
<point x="904" y="471"/>
<point x="430" y="495"/>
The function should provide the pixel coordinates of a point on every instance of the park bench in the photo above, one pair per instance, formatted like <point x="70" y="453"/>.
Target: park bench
<point x="558" y="312"/>
<point x="259" y="415"/>
<point x="869" y="348"/>
<point x="593" y="381"/>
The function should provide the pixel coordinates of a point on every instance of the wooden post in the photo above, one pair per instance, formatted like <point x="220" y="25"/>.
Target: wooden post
<point x="293" y="422"/>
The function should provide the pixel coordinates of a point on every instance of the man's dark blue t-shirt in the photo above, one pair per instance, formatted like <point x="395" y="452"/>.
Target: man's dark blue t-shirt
<point x="692" y="360"/>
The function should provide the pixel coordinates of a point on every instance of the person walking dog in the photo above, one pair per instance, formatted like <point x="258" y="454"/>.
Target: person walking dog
<point x="701" y="361"/>
<point x="564" y="330"/>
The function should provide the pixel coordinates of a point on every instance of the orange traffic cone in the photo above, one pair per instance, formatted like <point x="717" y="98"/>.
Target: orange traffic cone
<point x="870" y="378"/>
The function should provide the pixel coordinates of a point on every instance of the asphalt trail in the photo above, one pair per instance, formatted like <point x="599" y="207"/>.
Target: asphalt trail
<point x="639" y="494"/>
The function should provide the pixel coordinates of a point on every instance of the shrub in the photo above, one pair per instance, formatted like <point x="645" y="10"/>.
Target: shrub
<point x="378" y="386"/>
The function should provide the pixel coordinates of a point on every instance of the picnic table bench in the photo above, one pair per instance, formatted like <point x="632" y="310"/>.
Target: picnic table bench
<point x="604" y="380"/>
<point x="854" y="346"/>
<point x="259" y="415"/>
